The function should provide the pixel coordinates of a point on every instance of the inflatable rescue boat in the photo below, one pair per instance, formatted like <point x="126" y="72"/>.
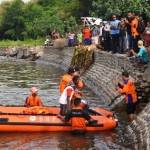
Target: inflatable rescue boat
<point x="45" y="119"/>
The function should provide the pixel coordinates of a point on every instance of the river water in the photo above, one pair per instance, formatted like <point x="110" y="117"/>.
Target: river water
<point x="16" y="78"/>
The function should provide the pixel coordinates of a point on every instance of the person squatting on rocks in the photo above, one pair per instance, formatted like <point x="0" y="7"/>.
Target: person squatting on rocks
<point x="142" y="56"/>
<point x="127" y="88"/>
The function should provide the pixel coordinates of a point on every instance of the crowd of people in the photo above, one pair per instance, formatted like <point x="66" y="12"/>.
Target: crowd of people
<point x="130" y="35"/>
<point x="114" y="36"/>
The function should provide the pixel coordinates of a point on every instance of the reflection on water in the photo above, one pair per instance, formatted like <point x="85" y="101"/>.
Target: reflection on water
<point x="16" y="78"/>
<point x="59" y="141"/>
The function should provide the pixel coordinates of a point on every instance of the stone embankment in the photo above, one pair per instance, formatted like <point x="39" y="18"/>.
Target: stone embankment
<point x="102" y="77"/>
<point x="23" y="52"/>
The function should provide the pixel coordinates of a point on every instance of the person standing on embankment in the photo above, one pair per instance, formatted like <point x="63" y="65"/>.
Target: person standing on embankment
<point x="128" y="89"/>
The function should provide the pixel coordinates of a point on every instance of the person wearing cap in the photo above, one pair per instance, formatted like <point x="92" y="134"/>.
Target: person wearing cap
<point x="67" y="78"/>
<point x="142" y="56"/>
<point x="33" y="99"/>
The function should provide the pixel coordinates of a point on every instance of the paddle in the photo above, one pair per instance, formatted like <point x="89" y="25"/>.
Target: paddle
<point x="112" y="101"/>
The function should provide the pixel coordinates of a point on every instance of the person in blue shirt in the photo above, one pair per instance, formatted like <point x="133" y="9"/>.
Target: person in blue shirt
<point x="114" y="26"/>
<point x="143" y="53"/>
<point x="142" y="56"/>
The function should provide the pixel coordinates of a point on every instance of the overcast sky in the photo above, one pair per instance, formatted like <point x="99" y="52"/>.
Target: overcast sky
<point x="7" y="0"/>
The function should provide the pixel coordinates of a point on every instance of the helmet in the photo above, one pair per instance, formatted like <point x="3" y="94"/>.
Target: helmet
<point x="84" y="102"/>
<point x="34" y="90"/>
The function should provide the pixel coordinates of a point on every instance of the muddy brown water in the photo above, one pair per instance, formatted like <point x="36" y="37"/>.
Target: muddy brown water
<point x="16" y="78"/>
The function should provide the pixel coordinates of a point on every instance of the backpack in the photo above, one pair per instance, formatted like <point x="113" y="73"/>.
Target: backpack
<point x="141" y="27"/>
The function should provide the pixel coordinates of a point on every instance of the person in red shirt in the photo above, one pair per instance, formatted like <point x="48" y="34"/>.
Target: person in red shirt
<point x="86" y="35"/>
<point x="33" y="99"/>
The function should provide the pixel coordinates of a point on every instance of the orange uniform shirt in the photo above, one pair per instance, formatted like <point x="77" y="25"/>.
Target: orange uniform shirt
<point x="134" y="25"/>
<point x="33" y="101"/>
<point x="129" y="89"/>
<point x="66" y="79"/>
<point x="78" y="118"/>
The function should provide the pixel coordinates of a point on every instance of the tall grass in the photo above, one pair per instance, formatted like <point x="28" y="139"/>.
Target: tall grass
<point x="27" y="42"/>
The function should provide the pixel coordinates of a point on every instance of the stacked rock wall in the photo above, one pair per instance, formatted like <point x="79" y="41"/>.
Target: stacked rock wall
<point x="59" y="57"/>
<point x="102" y="76"/>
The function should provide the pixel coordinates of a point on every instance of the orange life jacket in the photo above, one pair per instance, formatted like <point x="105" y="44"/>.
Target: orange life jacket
<point x="33" y="101"/>
<point x="129" y="89"/>
<point x="78" y="119"/>
<point x="66" y="79"/>
<point x="78" y="123"/>
<point x="134" y="25"/>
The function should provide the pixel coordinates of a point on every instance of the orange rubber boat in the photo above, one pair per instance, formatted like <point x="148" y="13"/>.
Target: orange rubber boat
<point x="45" y="119"/>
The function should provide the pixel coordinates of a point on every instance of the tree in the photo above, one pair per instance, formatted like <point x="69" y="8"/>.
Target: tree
<point x="105" y="9"/>
<point x="13" y="26"/>
<point x="32" y="13"/>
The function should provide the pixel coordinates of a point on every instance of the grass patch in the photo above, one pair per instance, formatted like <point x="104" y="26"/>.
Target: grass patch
<point x="28" y="42"/>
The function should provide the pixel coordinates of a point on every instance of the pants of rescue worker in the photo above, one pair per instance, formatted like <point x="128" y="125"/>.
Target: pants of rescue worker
<point x="131" y="107"/>
<point x="63" y="109"/>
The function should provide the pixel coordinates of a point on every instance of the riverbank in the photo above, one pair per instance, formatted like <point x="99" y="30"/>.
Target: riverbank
<point x="18" y="43"/>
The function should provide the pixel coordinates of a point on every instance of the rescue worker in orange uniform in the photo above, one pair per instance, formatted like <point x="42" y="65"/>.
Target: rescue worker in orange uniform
<point x="69" y="94"/>
<point x="129" y="90"/>
<point x="67" y="78"/>
<point x="78" y="117"/>
<point x="33" y="99"/>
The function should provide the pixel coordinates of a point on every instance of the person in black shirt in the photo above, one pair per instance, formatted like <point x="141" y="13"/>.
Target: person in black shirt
<point x="78" y="117"/>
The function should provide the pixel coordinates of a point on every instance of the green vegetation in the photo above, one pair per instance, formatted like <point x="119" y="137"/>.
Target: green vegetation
<point x="36" y="19"/>
<point x="105" y="9"/>
<point x="20" y="21"/>
<point x="28" y="42"/>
